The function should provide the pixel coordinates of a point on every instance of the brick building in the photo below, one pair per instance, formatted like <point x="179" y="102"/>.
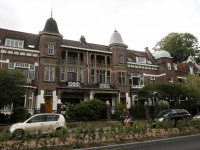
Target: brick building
<point x="76" y="71"/>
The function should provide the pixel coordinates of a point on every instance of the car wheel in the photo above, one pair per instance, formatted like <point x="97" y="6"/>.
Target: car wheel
<point x="19" y="134"/>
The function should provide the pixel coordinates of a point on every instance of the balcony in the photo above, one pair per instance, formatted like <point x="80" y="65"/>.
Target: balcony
<point x="72" y="62"/>
<point x="104" y="85"/>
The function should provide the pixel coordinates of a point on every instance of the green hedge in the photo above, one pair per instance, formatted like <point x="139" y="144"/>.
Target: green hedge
<point x="90" y="110"/>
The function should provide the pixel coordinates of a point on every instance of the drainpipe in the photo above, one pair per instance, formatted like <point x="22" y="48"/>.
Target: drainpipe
<point x="1" y="56"/>
<point x="87" y="67"/>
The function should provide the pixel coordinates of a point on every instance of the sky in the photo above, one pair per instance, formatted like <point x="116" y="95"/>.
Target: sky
<point x="141" y="23"/>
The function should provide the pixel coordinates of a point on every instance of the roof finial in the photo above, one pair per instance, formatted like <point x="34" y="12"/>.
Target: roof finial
<point x="51" y="12"/>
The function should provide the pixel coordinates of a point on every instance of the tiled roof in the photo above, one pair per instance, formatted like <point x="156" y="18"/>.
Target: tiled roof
<point x="87" y="46"/>
<point x="186" y="67"/>
<point x="27" y="37"/>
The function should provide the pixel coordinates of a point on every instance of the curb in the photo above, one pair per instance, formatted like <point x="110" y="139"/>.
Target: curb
<point x="136" y="144"/>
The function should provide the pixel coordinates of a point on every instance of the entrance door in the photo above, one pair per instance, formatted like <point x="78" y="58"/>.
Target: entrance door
<point x="123" y="101"/>
<point x="48" y="104"/>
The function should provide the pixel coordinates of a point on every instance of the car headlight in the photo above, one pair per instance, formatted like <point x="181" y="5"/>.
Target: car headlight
<point x="13" y="126"/>
<point x="160" y="119"/>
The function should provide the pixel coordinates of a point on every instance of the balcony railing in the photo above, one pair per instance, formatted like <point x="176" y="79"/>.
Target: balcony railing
<point x="73" y="83"/>
<point x="104" y="85"/>
<point x="137" y="86"/>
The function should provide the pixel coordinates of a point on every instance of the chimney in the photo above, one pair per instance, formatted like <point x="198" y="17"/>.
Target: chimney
<point x="82" y="40"/>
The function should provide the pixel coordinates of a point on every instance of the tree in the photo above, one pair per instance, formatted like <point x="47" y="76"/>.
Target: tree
<point x="179" y="45"/>
<point x="10" y="86"/>
<point x="193" y="92"/>
<point x="167" y="91"/>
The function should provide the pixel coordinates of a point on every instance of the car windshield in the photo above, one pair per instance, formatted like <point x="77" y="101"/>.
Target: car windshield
<point x="164" y="113"/>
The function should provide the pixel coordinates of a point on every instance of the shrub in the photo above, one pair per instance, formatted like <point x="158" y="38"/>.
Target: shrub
<point x="119" y="110"/>
<point x="90" y="110"/>
<point x="137" y="111"/>
<point x="19" y="114"/>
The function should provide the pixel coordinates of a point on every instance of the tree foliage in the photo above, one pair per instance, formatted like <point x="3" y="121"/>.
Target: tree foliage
<point x="164" y="91"/>
<point x="179" y="45"/>
<point x="10" y="86"/>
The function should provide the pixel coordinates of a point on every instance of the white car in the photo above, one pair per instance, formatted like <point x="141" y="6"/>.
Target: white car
<point x="46" y="123"/>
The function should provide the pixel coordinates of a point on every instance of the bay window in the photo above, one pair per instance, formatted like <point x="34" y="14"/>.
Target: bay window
<point x="122" y="78"/>
<point x="49" y="72"/>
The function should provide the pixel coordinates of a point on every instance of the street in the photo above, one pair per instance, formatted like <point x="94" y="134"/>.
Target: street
<point x="185" y="143"/>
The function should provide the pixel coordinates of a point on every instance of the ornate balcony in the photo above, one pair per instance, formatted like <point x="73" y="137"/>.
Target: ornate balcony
<point x="137" y="86"/>
<point x="104" y="85"/>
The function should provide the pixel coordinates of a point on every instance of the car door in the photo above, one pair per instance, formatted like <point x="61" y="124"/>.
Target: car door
<point x="36" y="123"/>
<point x="51" y="122"/>
<point x="175" y="116"/>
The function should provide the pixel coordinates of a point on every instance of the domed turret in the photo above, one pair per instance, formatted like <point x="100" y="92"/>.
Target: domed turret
<point x="162" y="53"/>
<point x="51" y="26"/>
<point x="116" y="39"/>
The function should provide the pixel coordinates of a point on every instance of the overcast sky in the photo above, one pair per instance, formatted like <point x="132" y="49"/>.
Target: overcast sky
<point x="141" y="23"/>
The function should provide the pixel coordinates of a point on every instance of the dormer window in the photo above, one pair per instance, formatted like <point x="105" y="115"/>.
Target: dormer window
<point x="31" y="45"/>
<point x="14" y="43"/>
<point x="191" y="70"/>
<point x="175" y="67"/>
<point x="50" y="49"/>
<point x="141" y="60"/>
<point x="130" y="59"/>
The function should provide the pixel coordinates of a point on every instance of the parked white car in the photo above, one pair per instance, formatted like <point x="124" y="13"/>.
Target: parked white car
<point x="46" y="123"/>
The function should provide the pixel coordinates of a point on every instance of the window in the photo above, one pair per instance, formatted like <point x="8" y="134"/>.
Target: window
<point x="40" y="118"/>
<point x="50" y="49"/>
<point x="100" y="76"/>
<point x="27" y="69"/>
<point x="62" y="74"/>
<point x="180" y="81"/>
<point x="71" y="74"/>
<point x="100" y="59"/>
<point x="130" y="59"/>
<point x="191" y="70"/>
<point x="30" y="99"/>
<point x="122" y="78"/>
<point x="141" y="60"/>
<point x="14" y="43"/>
<point x="81" y="75"/>
<point x="169" y="66"/>
<point x="136" y="80"/>
<point x="49" y="72"/>
<point x="48" y="93"/>
<point x="170" y="79"/>
<point x="149" y="62"/>
<point x="152" y="80"/>
<point x="72" y="56"/>
<point x="175" y="67"/>
<point x="121" y="58"/>
<point x="108" y="77"/>
<point x="52" y="117"/>
<point x="92" y="76"/>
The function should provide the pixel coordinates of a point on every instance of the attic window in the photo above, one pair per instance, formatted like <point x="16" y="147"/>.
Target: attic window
<point x="130" y="59"/>
<point x="141" y="59"/>
<point x="14" y="43"/>
<point x="191" y="70"/>
<point x="175" y="67"/>
<point x="31" y="45"/>
<point x="149" y="62"/>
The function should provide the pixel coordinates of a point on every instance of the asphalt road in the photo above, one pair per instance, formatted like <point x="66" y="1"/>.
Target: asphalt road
<point x="180" y="143"/>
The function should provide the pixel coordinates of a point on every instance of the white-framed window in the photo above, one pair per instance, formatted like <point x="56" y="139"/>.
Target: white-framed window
<point x="136" y="80"/>
<point x="101" y="76"/>
<point x="191" y="70"/>
<point x="121" y="58"/>
<point x="141" y="60"/>
<point x="30" y="99"/>
<point x="50" y="49"/>
<point x="169" y="66"/>
<point x="175" y="67"/>
<point x="93" y="76"/>
<point x="122" y="78"/>
<point x="71" y="74"/>
<point x="180" y="81"/>
<point x="48" y="93"/>
<point x="62" y="74"/>
<point x="27" y="69"/>
<point x="170" y="80"/>
<point x="14" y="43"/>
<point x="108" y="77"/>
<point x="49" y="73"/>
<point x="81" y="75"/>
<point x="152" y="80"/>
